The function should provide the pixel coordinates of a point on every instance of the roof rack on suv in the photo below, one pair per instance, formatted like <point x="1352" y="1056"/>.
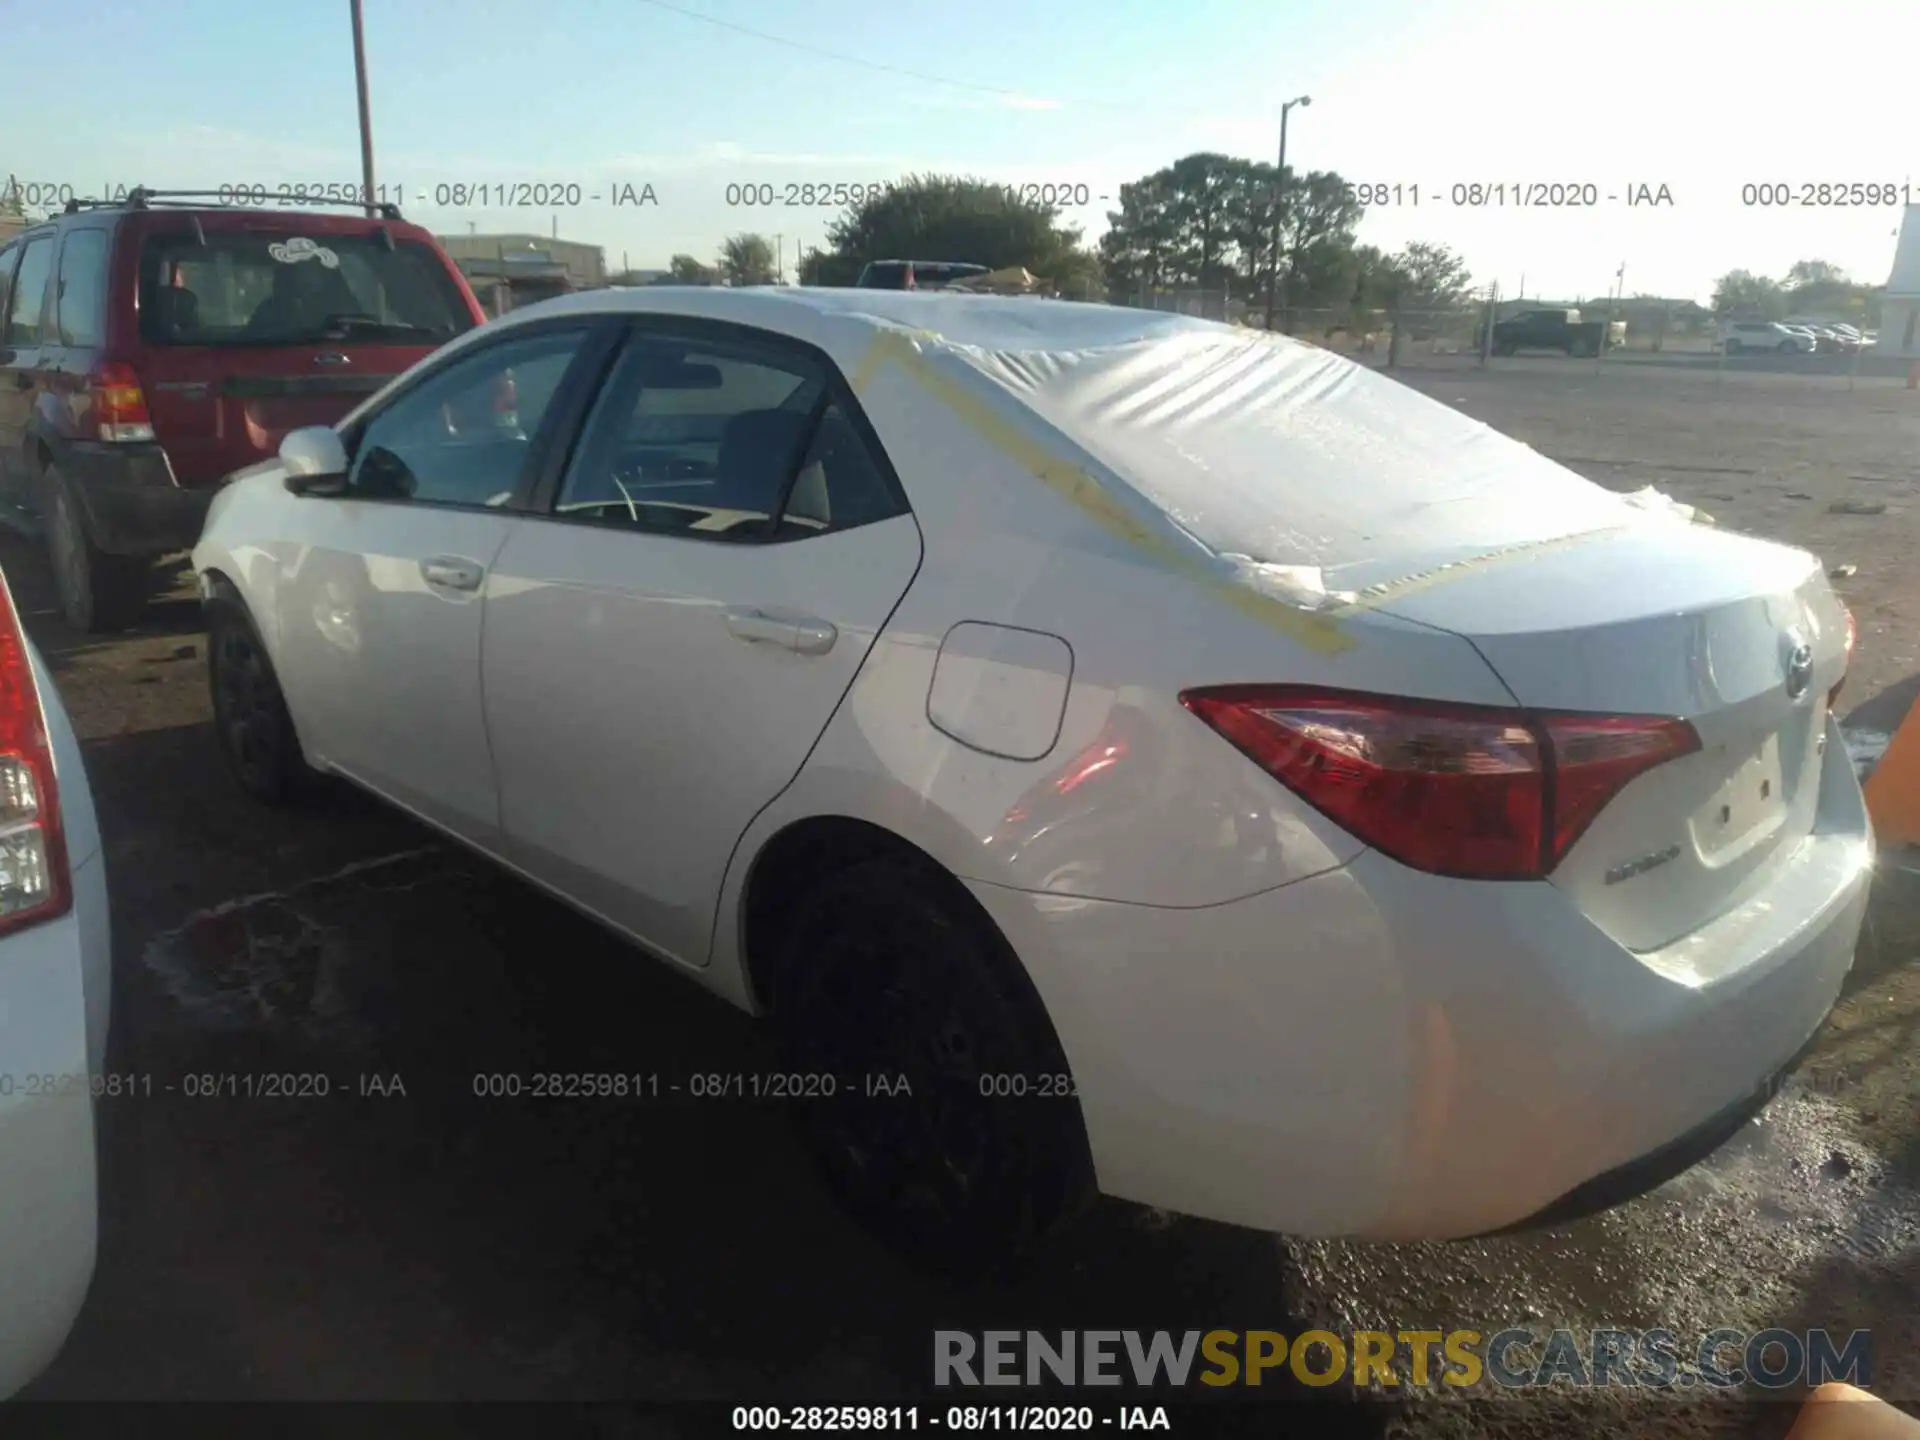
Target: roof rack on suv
<point x="141" y="198"/>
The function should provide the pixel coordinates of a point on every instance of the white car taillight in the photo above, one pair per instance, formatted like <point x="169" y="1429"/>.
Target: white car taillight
<point x="34" y="883"/>
<point x="1460" y="790"/>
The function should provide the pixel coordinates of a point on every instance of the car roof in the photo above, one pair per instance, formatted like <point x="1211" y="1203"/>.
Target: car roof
<point x="843" y="321"/>
<point x="1259" y="448"/>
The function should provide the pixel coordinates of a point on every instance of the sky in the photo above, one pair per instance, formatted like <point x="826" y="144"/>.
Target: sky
<point x="691" y="97"/>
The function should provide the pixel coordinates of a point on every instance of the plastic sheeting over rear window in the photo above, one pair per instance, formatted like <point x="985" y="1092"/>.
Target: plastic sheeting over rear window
<point x="1287" y="455"/>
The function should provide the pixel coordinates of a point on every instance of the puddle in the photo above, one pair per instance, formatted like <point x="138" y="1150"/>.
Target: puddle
<point x="272" y="961"/>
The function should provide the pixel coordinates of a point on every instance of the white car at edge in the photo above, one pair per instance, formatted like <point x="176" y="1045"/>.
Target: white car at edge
<point x="54" y="1006"/>
<point x="1212" y="774"/>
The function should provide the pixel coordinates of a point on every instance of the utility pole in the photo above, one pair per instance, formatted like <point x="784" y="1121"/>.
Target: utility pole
<point x="1606" y="333"/>
<point x="780" y="260"/>
<point x="366" y="110"/>
<point x="1279" y="181"/>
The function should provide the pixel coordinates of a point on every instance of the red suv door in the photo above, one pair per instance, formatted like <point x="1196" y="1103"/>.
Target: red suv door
<point x="243" y="325"/>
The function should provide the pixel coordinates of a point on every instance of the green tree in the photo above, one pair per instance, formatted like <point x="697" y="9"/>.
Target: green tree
<point x="747" y="259"/>
<point x="688" y="271"/>
<point x="1750" y="296"/>
<point x="1421" y="276"/>
<point x="952" y="217"/>
<point x="1207" y="221"/>
<point x="1814" y="272"/>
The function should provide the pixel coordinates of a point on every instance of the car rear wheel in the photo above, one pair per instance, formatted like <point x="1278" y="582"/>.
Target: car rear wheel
<point x="1787" y="347"/>
<point x="1734" y="347"/>
<point x="953" y="1131"/>
<point x="250" y="714"/>
<point x="97" y="591"/>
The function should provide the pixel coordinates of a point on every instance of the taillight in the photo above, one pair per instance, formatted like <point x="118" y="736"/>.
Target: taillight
<point x="1460" y="790"/>
<point x="34" y="884"/>
<point x="119" y="405"/>
<point x="1833" y="695"/>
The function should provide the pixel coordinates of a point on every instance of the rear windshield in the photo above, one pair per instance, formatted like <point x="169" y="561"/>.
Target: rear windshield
<point x="277" y="289"/>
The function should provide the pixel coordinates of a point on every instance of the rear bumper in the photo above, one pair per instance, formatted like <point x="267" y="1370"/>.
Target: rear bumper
<point x="1377" y="1053"/>
<point x="48" y="1203"/>
<point x="130" y="501"/>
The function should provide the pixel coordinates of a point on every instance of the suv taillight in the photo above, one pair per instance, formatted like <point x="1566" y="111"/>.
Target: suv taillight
<point x="1459" y="790"/>
<point x="119" y="405"/>
<point x="34" y="884"/>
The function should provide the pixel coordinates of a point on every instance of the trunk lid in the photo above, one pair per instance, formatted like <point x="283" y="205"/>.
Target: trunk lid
<point x="1741" y="637"/>
<point x="256" y="323"/>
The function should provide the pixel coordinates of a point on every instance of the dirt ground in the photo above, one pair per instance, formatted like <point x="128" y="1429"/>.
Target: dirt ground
<point x="405" y="1238"/>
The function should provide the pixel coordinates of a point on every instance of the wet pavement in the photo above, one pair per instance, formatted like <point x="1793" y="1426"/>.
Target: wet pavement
<point x="306" y="1193"/>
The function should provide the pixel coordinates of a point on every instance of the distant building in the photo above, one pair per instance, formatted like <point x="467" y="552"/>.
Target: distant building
<point x="1900" y="305"/>
<point x="509" y="270"/>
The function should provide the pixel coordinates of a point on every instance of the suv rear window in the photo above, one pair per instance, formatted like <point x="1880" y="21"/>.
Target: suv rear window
<point x="276" y="289"/>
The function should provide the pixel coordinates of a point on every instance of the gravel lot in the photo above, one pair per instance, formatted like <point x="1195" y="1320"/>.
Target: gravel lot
<point x="437" y="1245"/>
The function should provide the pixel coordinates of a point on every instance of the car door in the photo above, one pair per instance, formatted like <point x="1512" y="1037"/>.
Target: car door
<point x="21" y="323"/>
<point x="379" y="603"/>
<point x="664" y="647"/>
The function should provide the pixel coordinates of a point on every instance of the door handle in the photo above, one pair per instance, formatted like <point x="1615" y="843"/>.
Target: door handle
<point x="808" y="637"/>
<point x="451" y="572"/>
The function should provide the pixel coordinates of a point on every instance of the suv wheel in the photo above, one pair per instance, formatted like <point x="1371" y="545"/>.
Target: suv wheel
<point x="97" y="591"/>
<point x="950" y="1127"/>
<point x="249" y="712"/>
<point x="1734" y="347"/>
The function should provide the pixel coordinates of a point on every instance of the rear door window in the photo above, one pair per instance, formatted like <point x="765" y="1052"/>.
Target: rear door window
<point x="269" y="288"/>
<point x="80" y="309"/>
<point x="29" y="295"/>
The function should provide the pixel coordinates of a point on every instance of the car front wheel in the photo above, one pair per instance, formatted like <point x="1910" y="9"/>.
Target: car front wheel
<point x="250" y="714"/>
<point x="952" y="1129"/>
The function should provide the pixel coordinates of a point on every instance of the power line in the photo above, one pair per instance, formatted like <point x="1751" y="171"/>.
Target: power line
<point x="882" y="66"/>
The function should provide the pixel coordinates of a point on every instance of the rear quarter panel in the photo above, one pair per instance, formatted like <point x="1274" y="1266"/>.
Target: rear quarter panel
<point x="1137" y="800"/>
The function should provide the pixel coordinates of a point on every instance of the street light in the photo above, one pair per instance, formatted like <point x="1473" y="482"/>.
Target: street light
<point x="1279" y="179"/>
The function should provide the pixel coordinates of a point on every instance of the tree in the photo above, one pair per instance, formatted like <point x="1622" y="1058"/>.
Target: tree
<point x="747" y="259"/>
<point x="951" y="217"/>
<point x="1428" y="277"/>
<point x="1815" y="272"/>
<point x="1206" y="222"/>
<point x="688" y="271"/>
<point x="1749" y="296"/>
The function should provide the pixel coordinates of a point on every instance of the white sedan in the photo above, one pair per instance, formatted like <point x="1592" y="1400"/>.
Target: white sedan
<point x="1203" y="770"/>
<point x="54" y="1001"/>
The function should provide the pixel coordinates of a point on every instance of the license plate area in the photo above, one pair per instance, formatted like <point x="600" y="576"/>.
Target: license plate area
<point x="1747" y="808"/>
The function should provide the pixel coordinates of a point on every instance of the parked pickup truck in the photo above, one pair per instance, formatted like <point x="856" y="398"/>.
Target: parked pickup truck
<point x="1561" y="330"/>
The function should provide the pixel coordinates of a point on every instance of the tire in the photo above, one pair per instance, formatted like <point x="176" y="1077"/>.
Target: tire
<point x="250" y="716"/>
<point x="98" y="592"/>
<point x="1735" y="347"/>
<point x="1787" y="347"/>
<point x="884" y="972"/>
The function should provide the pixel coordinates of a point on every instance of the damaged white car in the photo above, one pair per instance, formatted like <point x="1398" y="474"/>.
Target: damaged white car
<point x="1121" y="753"/>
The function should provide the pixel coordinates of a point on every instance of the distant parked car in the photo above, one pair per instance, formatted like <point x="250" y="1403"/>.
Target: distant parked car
<point x="1561" y="330"/>
<point x="1739" y="337"/>
<point x="150" y="346"/>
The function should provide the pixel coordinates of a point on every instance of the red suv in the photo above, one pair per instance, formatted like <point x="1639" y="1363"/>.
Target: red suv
<point x="150" y="347"/>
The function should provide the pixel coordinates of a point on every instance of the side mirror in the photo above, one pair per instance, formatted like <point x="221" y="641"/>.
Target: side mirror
<point x="315" y="461"/>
